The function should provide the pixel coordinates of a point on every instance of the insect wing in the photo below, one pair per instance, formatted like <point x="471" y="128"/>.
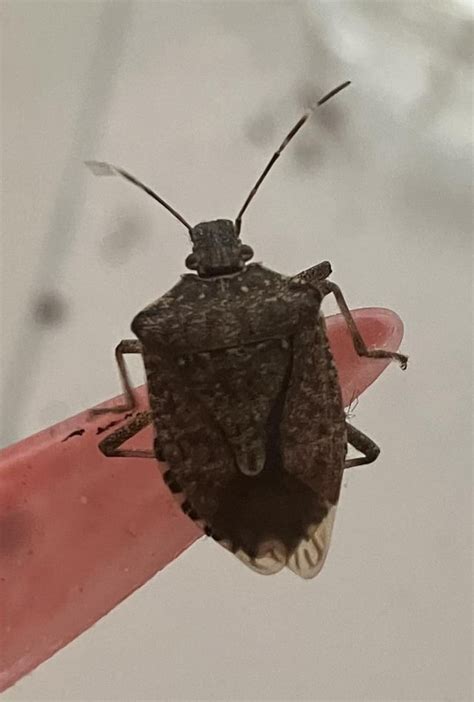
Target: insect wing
<point x="308" y="557"/>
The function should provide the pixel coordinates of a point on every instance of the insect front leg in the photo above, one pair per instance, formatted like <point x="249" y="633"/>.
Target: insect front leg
<point x="361" y="443"/>
<point x="110" y="445"/>
<point x="125" y="346"/>
<point x="327" y="287"/>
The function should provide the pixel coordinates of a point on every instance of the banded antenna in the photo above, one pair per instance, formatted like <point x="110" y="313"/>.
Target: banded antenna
<point x="99" y="168"/>
<point x="284" y="144"/>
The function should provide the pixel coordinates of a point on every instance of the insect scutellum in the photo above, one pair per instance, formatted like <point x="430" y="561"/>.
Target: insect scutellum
<point x="217" y="249"/>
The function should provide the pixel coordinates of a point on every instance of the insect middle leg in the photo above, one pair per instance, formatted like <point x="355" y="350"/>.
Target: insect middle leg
<point x="359" y="344"/>
<point x="361" y="443"/>
<point x="125" y="346"/>
<point x="110" y="445"/>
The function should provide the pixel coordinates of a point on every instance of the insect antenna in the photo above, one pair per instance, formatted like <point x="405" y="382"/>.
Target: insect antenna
<point x="99" y="168"/>
<point x="283" y="145"/>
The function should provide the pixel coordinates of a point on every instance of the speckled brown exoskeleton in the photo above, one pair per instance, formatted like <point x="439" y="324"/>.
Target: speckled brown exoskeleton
<point x="244" y="396"/>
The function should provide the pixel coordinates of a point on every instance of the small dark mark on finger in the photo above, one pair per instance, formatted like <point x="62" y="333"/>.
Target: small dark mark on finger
<point x="100" y="430"/>
<point x="77" y="432"/>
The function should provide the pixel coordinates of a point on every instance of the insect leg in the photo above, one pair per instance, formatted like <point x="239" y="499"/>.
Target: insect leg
<point x="361" y="443"/>
<point x="359" y="344"/>
<point x="110" y="445"/>
<point x="125" y="346"/>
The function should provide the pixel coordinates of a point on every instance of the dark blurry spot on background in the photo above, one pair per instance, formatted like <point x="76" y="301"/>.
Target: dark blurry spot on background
<point x="127" y="235"/>
<point x="50" y="309"/>
<point x="261" y="130"/>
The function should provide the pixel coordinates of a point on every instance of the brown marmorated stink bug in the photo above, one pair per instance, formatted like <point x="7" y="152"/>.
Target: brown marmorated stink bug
<point x="244" y="396"/>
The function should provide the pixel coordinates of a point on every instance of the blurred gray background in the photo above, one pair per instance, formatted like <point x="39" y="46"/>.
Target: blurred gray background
<point x="193" y="98"/>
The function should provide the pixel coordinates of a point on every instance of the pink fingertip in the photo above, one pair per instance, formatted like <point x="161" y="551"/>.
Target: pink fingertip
<point x="79" y="532"/>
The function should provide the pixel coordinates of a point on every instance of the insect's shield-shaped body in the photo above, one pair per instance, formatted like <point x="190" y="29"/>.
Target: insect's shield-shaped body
<point x="245" y="398"/>
<point x="239" y="377"/>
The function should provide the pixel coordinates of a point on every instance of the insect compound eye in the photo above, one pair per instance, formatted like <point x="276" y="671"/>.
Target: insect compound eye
<point x="246" y="252"/>
<point x="191" y="262"/>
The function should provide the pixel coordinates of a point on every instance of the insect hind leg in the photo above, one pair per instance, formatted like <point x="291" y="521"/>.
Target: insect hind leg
<point x="361" y="443"/>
